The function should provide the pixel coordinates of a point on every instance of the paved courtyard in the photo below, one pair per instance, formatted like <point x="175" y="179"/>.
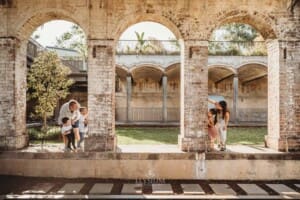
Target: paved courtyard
<point x="12" y="187"/>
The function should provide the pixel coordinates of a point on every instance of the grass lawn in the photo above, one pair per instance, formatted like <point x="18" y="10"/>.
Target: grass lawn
<point x="248" y="136"/>
<point x="148" y="135"/>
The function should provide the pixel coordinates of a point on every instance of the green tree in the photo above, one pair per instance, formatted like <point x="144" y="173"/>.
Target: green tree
<point x="234" y="39"/>
<point x="47" y="82"/>
<point x="238" y="32"/>
<point x="74" y="39"/>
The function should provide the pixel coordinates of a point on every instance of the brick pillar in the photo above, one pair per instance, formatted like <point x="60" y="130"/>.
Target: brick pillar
<point x="283" y="95"/>
<point x="194" y="72"/>
<point x="101" y="96"/>
<point x="13" y="94"/>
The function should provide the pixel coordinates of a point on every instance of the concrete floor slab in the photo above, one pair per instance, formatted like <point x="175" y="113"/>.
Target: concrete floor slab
<point x="101" y="188"/>
<point x="162" y="189"/>
<point x="222" y="189"/>
<point x="132" y="188"/>
<point x="250" y="149"/>
<point x="253" y="189"/>
<point x="71" y="188"/>
<point x="144" y="148"/>
<point x="41" y="188"/>
<point x="192" y="189"/>
<point x="282" y="189"/>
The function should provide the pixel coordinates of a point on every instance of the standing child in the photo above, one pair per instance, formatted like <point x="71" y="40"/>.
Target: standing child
<point x="82" y="124"/>
<point x="212" y="130"/>
<point x="67" y="130"/>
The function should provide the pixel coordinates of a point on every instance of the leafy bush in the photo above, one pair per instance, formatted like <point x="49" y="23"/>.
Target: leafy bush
<point x="53" y="133"/>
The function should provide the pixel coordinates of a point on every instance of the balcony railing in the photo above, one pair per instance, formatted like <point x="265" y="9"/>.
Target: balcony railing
<point x="148" y="47"/>
<point x="172" y="47"/>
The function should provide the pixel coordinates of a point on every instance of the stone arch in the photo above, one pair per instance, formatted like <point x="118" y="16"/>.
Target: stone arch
<point x="173" y="71"/>
<point x="252" y="71"/>
<point x="264" y="24"/>
<point x="23" y="28"/>
<point x="253" y="92"/>
<point x="171" y="65"/>
<point x="226" y="69"/>
<point x="34" y="19"/>
<point x="134" y="18"/>
<point x="253" y="62"/>
<point x="147" y="70"/>
<point x="122" y="71"/>
<point x="141" y="65"/>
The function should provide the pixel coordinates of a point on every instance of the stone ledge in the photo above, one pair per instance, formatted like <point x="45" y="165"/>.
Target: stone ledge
<point x="192" y="144"/>
<point x="13" y="142"/>
<point x="102" y="143"/>
<point x="154" y="169"/>
<point x="279" y="144"/>
<point x="147" y="156"/>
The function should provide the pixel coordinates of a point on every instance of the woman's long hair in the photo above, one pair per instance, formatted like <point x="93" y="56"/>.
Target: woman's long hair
<point x="223" y="104"/>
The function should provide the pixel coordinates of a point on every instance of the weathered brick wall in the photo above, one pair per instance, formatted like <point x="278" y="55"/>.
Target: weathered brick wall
<point x="284" y="95"/>
<point x="101" y="96"/>
<point x="12" y="98"/>
<point x="284" y="84"/>
<point x="194" y="130"/>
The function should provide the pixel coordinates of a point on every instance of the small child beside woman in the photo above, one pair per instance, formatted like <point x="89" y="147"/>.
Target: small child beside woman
<point x="83" y="122"/>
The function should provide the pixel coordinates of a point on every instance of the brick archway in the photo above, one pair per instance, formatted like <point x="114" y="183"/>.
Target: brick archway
<point x="262" y="23"/>
<point x="129" y="20"/>
<point x="26" y="26"/>
<point x="24" y="29"/>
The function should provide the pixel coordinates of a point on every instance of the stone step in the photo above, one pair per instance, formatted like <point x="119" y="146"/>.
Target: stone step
<point x="222" y="189"/>
<point x="101" y="188"/>
<point x="71" y="188"/>
<point x="282" y="189"/>
<point x="40" y="188"/>
<point x="253" y="189"/>
<point x="132" y="189"/>
<point x="192" y="189"/>
<point x="162" y="189"/>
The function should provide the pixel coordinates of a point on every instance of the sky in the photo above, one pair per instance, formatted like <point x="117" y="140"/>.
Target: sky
<point x="49" y="31"/>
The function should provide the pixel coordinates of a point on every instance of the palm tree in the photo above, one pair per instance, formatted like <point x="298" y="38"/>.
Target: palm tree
<point x="141" y="42"/>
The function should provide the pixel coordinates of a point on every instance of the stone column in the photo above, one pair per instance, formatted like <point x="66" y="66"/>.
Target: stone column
<point x="283" y="95"/>
<point x="101" y="96"/>
<point x="194" y="103"/>
<point x="128" y="100"/>
<point x="13" y="94"/>
<point x="164" y="98"/>
<point x="235" y="98"/>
